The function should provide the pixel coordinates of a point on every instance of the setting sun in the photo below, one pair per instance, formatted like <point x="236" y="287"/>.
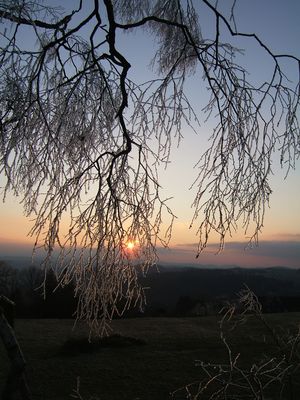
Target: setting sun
<point x="130" y="245"/>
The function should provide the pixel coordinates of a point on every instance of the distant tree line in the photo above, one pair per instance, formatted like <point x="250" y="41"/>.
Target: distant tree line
<point x="32" y="300"/>
<point x="187" y="306"/>
<point x="204" y="291"/>
<point x="174" y="293"/>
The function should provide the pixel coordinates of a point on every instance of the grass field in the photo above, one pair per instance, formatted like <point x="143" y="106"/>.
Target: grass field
<point x="159" y="361"/>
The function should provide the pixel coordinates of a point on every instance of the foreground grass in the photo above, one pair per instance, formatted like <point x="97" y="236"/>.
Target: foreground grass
<point x="159" y="361"/>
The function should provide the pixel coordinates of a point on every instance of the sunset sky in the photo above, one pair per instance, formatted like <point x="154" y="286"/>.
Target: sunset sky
<point x="277" y="23"/>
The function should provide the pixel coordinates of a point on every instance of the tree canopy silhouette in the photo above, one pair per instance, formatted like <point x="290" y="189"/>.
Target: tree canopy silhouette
<point x="81" y="139"/>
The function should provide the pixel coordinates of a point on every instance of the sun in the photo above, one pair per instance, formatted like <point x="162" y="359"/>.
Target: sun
<point x="130" y="245"/>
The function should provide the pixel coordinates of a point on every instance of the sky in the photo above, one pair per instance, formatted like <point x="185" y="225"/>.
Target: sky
<point x="277" y="23"/>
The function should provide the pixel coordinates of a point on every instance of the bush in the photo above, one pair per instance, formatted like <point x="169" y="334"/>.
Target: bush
<point x="275" y="376"/>
<point x="77" y="345"/>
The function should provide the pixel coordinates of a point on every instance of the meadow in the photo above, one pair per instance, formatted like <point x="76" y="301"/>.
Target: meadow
<point x="147" y="358"/>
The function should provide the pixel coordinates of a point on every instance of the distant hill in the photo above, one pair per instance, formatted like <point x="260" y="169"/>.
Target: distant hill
<point x="20" y="262"/>
<point x="170" y="285"/>
<point x="178" y="289"/>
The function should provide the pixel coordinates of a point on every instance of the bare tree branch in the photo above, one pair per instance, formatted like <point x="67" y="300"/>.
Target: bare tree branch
<point x="82" y="143"/>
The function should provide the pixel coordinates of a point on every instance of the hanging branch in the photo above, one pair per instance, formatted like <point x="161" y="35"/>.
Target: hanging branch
<point x="82" y="144"/>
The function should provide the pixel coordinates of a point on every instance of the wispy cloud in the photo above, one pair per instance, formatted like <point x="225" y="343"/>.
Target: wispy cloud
<point x="287" y="236"/>
<point x="267" y="253"/>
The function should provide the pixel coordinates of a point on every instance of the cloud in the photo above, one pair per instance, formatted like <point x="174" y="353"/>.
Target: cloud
<point x="287" y="236"/>
<point x="283" y="249"/>
<point x="267" y="253"/>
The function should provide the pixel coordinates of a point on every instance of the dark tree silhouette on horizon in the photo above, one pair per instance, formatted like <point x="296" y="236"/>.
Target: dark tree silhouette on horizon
<point x="82" y="141"/>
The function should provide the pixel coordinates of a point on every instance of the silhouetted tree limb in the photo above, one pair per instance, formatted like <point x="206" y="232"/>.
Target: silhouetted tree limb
<point x="16" y="381"/>
<point x="82" y="142"/>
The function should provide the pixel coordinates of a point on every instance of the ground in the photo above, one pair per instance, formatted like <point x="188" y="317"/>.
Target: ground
<point x="158" y="358"/>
